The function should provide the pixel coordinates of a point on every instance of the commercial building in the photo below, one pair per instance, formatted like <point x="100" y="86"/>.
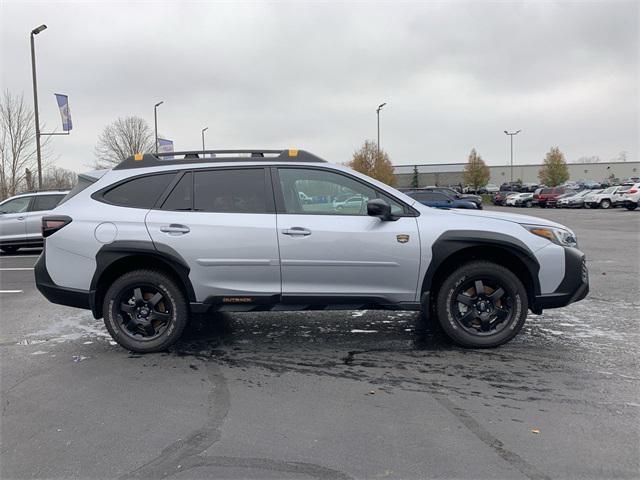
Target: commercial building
<point x="452" y="173"/>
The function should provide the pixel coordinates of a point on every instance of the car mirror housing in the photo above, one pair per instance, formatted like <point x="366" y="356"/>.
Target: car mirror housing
<point x="381" y="209"/>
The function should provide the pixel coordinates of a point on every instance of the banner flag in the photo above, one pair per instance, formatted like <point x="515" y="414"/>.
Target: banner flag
<point x="63" y="104"/>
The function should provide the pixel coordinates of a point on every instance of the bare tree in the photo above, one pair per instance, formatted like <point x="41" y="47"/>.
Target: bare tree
<point x="17" y="144"/>
<point x="121" y="139"/>
<point x="59" y="178"/>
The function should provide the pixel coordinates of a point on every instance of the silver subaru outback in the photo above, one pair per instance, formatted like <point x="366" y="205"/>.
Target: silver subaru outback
<point x="157" y="238"/>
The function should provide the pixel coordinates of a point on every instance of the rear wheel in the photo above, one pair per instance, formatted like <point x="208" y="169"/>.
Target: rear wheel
<point x="145" y="311"/>
<point x="482" y="305"/>
<point x="631" y="206"/>
<point x="9" y="249"/>
<point x="605" y="203"/>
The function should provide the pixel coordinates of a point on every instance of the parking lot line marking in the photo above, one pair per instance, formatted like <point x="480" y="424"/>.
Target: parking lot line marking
<point x="15" y="269"/>
<point x="10" y="291"/>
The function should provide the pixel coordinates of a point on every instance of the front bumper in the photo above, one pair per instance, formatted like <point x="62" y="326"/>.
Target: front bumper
<point x="70" y="297"/>
<point x="574" y="286"/>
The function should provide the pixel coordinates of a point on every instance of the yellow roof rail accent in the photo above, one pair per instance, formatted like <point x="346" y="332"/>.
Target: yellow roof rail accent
<point x="137" y="157"/>
<point x="293" y="152"/>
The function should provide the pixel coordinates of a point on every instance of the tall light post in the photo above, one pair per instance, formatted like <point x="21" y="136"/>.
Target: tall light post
<point x="155" y="121"/>
<point x="203" y="130"/>
<point x="36" y="31"/>
<point x="378" y="114"/>
<point x="511" y="136"/>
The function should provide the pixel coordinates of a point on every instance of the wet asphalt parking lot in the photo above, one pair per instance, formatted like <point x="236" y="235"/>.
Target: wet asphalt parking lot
<point x="331" y="394"/>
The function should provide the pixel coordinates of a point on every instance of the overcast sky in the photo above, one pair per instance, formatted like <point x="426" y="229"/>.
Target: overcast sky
<point x="310" y="75"/>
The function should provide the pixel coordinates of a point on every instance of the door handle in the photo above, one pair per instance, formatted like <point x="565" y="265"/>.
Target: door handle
<point x="21" y="218"/>
<point x="174" y="228"/>
<point x="296" y="231"/>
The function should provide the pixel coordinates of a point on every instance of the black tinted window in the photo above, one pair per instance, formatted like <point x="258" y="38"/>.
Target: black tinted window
<point x="46" y="202"/>
<point x="180" y="197"/>
<point x="141" y="192"/>
<point x="230" y="191"/>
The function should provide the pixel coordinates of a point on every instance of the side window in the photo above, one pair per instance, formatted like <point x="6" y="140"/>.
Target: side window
<point x="324" y="193"/>
<point x="181" y="197"/>
<point x="141" y="192"/>
<point x="230" y="191"/>
<point x="17" y="205"/>
<point x="45" y="202"/>
<point x="396" y="207"/>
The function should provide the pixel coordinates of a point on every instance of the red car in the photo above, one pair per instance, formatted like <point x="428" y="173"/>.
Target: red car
<point x="547" y="196"/>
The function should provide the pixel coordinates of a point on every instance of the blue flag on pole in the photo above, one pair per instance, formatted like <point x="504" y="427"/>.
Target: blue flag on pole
<point x="63" y="104"/>
<point x="165" y="146"/>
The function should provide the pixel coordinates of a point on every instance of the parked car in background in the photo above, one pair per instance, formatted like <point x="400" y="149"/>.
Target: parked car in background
<point x="440" y="200"/>
<point x="553" y="202"/>
<point x="510" y="201"/>
<point x="589" y="185"/>
<point x="21" y="218"/>
<point x="529" y="187"/>
<point x="631" y="197"/>
<point x="511" y="187"/>
<point x="491" y="188"/>
<point x="500" y="197"/>
<point x="477" y="199"/>
<point x="575" y="200"/>
<point x="542" y="196"/>
<point x="521" y="200"/>
<point x="607" y="198"/>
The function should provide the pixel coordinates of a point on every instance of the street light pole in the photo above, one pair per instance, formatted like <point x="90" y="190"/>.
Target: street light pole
<point x="203" y="130"/>
<point x="36" y="31"/>
<point x="155" y="121"/>
<point x="378" y="114"/>
<point x="511" y="136"/>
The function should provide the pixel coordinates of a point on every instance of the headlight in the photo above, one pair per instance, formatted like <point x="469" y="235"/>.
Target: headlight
<point x="559" y="236"/>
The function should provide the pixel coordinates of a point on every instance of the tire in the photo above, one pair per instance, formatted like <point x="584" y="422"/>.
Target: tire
<point x="140" y="320"/>
<point x="605" y="204"/>
<point x="9" y="249"/>
<point x="631" y="206"/>
<point x="528" y="204"/>
<point x="504" y="314"/>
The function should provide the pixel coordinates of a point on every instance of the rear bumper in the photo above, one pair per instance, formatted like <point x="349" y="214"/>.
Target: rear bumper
<point x="574" y="286"/>
<point x="70" y="297"/>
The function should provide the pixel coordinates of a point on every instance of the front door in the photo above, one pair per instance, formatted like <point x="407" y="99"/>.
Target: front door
<point x="223" y="223"/>
<point x="332" y="250"/>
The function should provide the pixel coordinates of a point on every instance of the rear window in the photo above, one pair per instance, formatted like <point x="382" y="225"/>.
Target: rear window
<point x="141" y="192"/>
<point x="83" y="182"/>
<point x="45" y="202"/>
<point x="545" y="191"/>
<point x="230" y="191"/>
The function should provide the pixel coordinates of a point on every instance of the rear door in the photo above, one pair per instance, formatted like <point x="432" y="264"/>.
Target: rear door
<point x="342" y="255"/>
<point x="13" y="216"/>
<point x="222" y="222"/>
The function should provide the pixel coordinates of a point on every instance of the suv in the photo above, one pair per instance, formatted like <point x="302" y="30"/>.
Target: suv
<point x="607" y="198"/>
<point x="154" y="240"/>
<point x="467" y="197"/>
<point x="631" y="197"/>
<point x="21" y="218"/>
<point x="547" y="196"/>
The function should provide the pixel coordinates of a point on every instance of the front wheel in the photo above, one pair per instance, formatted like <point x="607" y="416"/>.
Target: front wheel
<point x="145" y="311"/>
<point x="528" y="204"/>
<point x="482" y="305"/>
<point x="605" y="204"/>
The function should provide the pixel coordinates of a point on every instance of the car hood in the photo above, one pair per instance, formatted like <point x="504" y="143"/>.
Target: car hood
<point x="509" y="217"/>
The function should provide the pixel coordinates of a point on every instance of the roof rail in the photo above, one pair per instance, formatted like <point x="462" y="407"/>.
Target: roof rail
<point x="140" y="160"/>
<point x="42" y="190"/>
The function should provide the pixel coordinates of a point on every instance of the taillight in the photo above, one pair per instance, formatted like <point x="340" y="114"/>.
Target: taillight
<point x="51" y="225"/>
<point x="633" y="190"/>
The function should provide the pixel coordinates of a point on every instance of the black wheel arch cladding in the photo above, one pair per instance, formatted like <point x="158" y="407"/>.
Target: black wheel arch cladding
<point x="117" y="251"/>
<point x="454" y="242"/>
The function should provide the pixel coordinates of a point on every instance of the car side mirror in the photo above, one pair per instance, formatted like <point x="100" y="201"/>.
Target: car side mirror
<point x="381" y="209"/>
